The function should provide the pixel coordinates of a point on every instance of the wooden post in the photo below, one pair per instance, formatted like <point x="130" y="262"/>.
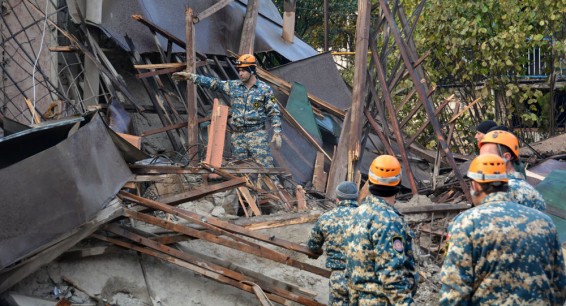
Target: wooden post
<point x="325" y="4"/>
<point x="289" y="20"/>
<point x="192" y="127"/>
<point x="359" y="81"/>
<point x="248" y="29"/>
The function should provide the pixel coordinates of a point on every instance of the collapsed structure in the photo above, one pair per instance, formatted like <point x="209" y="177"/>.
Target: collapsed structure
<point x="89" y="106"/>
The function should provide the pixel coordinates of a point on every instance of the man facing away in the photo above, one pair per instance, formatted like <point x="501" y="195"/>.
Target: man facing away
<point x="329" y="230"/>
<point x="252" y="101"/>
<point x="381" y="266"/>
<point x="506" y="145"/>
<point x="500" y="252"/>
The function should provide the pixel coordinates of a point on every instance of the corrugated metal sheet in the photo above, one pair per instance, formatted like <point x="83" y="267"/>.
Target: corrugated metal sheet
<point x="214" y="35"/>
<point x="56" y="190"/>
<point x="320" y="77"/>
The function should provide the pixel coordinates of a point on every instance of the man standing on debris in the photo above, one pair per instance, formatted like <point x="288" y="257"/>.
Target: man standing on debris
<point x="500" y="252"/>
<point x="252" y="101"/>
<point x="506" y="145"/>
<point x="330" y="229"/>
<point x="380" y="264"/>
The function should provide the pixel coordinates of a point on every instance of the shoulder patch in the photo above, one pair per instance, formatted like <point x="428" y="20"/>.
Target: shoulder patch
<point x="397" y="243"/>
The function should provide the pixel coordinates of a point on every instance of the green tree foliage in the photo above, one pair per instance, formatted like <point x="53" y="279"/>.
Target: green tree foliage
<point x="309" y="23"/>
<point x="481" y="47"/>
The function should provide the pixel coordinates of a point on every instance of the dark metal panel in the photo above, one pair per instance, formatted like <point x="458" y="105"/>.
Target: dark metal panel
<point x="16" y="147"/>
<point x="297" y="155"/>
<point x="58" y="189"/>
<point x="214" y="35"/>
<point x="321" y="78"/>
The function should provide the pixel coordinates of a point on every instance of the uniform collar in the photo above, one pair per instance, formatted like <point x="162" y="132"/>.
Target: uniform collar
<point x="240" y="83"/>
<point x="351" y="203"/>
<point x="380" y="202"/>
<point x="496" y="197"/>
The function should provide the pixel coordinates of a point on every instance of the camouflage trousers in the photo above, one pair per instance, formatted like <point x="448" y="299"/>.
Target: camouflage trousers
<point x="338" y="289"/>
<point x="252" y="145"/>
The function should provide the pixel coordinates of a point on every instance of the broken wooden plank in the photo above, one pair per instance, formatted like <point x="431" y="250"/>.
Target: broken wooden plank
<point x="281" y="221"/>
<point x="156" y="170"/>
<point x="254" y="249"/>
<point x="431" y="208"/>
<point x="216" y="135"/>
<point x="203" y="191"/>
<point x="213" y="9"/>
<point x="192" y="127"/>
<point x="245" y="192"/>
<point x="217" y="223"/>
<point x="300" y="195"/>
<point x="247" y="37"/>
<point x="218" y="276"/>
<point x="319" y="176"/>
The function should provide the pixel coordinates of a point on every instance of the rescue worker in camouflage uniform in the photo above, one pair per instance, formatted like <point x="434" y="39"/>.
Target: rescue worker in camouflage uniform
<point x="252" y="101"/>
<point x="500" y="252"/>
<point x="506" y="145"/>
<point x="329" y="230"/>
<point x="381" y="267"/>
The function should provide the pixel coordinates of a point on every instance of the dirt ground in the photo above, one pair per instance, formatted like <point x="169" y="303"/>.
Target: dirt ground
<point x="126" y="278"/>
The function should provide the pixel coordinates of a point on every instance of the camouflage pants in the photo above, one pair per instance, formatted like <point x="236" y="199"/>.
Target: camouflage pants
<point x="252" y="145"/>
<point x="338" y="289"/>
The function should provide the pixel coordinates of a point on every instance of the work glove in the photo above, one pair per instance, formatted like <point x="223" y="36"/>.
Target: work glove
<point x="183" y="75"/>
<point x="276" y="140"/>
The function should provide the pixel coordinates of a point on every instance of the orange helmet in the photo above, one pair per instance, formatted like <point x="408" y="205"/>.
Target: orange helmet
<point x="385" y="170"/>
<point x="503" y="138"/>
<point x="488" y="168"/>
<point x="245" y="60"/>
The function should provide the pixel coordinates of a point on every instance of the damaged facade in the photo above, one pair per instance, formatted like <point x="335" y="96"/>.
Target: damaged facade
<point x="105" y="155"/>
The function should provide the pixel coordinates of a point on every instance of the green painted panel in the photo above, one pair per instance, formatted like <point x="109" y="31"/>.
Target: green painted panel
<point x="300" y="108"/>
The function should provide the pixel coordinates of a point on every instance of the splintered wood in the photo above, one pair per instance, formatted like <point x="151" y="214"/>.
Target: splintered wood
<point x="215" y="231"/>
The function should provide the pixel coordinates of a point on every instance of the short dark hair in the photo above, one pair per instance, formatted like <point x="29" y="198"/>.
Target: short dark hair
<point x="493" y="187"/>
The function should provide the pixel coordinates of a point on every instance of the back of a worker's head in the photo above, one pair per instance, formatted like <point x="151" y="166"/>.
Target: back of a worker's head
<point x="347" y="191"/>
<point x="489" y="172"/>
<point x="502" y="143"/>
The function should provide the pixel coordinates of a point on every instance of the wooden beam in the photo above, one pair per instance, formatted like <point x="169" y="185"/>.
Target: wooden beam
<point x="187" y="261"/>
<point x="172" y="127"/>
<point x="319" y="175"/>
<point x="408" y="59"/>
<point x="213" y="9"/>
<point x="271" y="221"/>
<point x="289" y="7"/>
<point x="300" y="195"/>
<point x="248" y="29"/>
<point x="156" y="170"/>
<point x="216" y="223"/>
<point x="203" y="191"/>
<point x="337" y="172"/>
<point x="431" y="208"/>
<point x="245" y="192"/>
<point x="192" y="127"/>
<point x="144" y="75"/>
<point x="254" y="249"/>
<point x="393" y="119"/>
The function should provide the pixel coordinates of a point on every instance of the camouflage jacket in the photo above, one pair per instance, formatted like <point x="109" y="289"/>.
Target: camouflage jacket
<point x="330" y="229"/>
<point x="249" y="107"/>
<point x="379" y="253"/>
<point x="524" y="193"/>
<point x="502" y="253"/>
